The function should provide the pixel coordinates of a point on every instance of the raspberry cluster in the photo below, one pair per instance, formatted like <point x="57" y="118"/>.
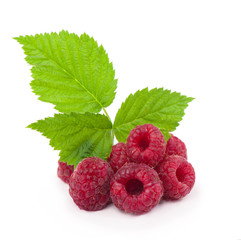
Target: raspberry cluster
<point x="136" y="175"/>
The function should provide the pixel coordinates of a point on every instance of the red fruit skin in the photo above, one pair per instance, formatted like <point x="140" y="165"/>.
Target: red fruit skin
<point x="64" y="171"/>
<point x="89" y="185"/>
<point x="118" y="156"/>
<point x="136" y="188"/>
<point x="177" y="175"/>
<point x="175" y="146"/>
<point x="146" y="144"/>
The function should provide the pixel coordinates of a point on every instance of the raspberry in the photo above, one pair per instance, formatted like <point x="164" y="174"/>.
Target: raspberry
<point x="146" y="144"/>
<point x="64" y="171"/>
<point x="176" y="147"/>
<point x="177" y="175"/>
<point x="118" y="156"/>
<point x="136" y="188"/>
<point x="90" y="184"/>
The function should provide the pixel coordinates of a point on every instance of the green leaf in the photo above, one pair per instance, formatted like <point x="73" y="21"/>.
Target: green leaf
<point x="160" y="107"/>
<point x="77" y="136"/>
<point x="72" y="72"/>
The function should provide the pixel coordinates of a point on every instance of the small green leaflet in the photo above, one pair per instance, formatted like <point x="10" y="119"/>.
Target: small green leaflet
<point x="77" y="135"/>
<point x="69" y="71"/>
<point x="160" y="107"/>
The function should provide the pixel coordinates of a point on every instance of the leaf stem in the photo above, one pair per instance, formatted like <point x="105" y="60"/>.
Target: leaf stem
<point x="112" y="130"/>
<point x="107" y="115"/>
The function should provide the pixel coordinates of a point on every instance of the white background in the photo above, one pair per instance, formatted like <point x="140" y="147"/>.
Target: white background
<point x="193" y="47"/>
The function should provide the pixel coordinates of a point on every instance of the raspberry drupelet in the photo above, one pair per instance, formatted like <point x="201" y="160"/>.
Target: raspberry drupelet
<point x="89" y="185"/>
<point x="177" y="175"/>
<point x="146" y="144"/>
<point x="175" y="146"/>
<point x="64" y="171"/>
<point x="136" y="188"/>
<point x="118" y="156"/>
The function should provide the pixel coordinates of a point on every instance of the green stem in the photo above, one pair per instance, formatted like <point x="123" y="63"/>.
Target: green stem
<point x="112" y="130"/>
<point x="107" y="115"/>
<point x="112" y="134"/>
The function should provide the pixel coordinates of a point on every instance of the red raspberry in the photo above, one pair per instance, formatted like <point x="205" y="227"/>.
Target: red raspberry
<point x="64" y="171"/>
<point x="176" y="147"/>
<point x="146" y="144"/>
<point x="90" y="184"/>
<point x="177" y="175"/>
<point x="118" y="156"/>
<point x="136" y="188"/>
